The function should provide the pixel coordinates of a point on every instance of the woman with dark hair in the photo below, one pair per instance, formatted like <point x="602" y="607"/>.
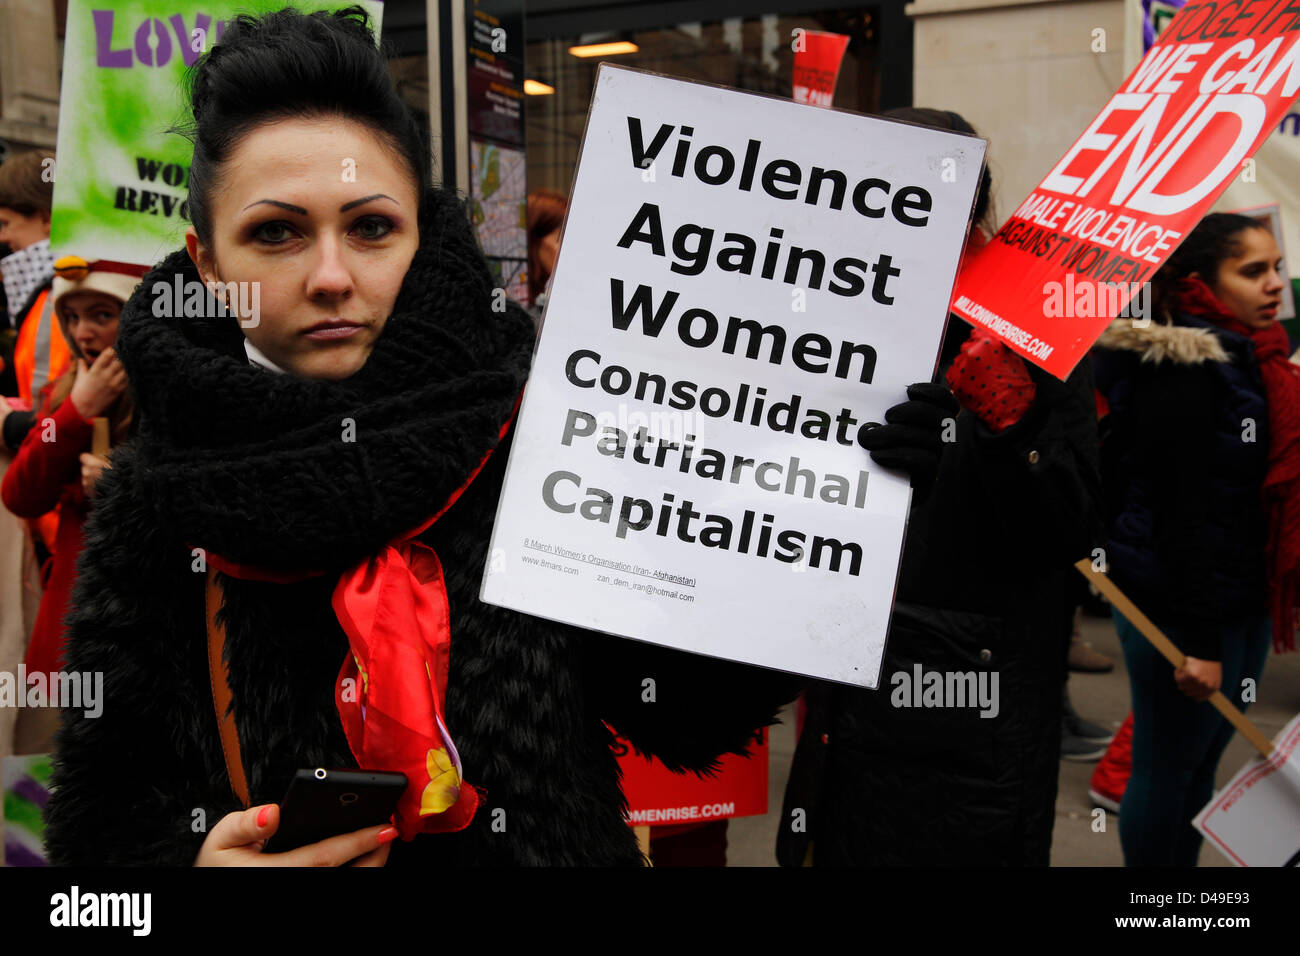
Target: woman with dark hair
<point x="315" y="477"/>
<point x="1201" y="455"/>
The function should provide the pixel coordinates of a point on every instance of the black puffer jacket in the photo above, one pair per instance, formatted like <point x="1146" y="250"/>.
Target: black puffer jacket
<point x="981" y="591"/>
<point x="248" y="464"/>
<point x="1185" y="453"/>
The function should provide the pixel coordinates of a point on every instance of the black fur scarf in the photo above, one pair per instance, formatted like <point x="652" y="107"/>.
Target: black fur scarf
<point x="253" y="465"/>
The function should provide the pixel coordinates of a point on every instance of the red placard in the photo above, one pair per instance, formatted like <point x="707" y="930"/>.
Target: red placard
<point x="817" y="60"/>
<point x="656" y="795"/>
<point x="1085" y="242"/>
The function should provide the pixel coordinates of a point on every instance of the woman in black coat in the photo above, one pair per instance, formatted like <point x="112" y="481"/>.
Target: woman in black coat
<point x="1007" y="497"/>
<point x="894" y="777"/>
<point x="284" y="457"/>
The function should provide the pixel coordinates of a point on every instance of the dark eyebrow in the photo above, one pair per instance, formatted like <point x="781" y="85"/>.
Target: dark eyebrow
<point x="283" y="205"/>
<point x="361" y="202"/>
<point x="302" y="212"/>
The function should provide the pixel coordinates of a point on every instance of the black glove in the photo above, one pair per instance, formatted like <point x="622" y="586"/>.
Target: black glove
<point x="913" y="438"/>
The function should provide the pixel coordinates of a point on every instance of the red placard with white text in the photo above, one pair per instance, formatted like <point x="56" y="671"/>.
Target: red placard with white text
<point x="657" y="796"/>
<point x="1141" y="176"/>
<point x="818" y="57"/>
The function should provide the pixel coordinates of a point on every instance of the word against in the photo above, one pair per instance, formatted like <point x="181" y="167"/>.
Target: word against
<point x="73" y="690"/>
<point x="946" y="689"/>
<point x="74" y="909"/>
<point x="209" y="300"/>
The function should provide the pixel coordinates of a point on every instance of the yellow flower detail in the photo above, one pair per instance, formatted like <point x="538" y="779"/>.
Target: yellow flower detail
<point x="444" y="783"/>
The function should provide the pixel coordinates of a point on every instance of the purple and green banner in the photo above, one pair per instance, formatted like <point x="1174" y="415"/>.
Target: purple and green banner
<point x="120" y="180"/>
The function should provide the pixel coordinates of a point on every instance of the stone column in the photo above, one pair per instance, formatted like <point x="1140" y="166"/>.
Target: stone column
<point x="29" y="73"/>
<point x="1030" y="75"/>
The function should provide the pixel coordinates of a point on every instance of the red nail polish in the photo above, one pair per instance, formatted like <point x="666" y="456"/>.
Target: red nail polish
<point x="387" y="835"/>
<point x="262" y="816"/>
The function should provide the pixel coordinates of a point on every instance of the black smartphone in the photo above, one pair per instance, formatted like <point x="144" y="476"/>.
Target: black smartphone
<point x="322" y="803"/>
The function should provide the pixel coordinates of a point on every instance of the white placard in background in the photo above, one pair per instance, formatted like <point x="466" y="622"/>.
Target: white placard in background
<point x="742" y="282"/>
<point x="1255" y="819"/>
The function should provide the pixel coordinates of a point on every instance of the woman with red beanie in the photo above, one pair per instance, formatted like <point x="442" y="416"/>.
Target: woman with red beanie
<point x="1202" y="461"/>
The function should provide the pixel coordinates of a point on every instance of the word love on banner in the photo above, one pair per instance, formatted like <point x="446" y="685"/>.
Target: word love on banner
<point x="743" y="281"/>
<point x="1203" y="99"/>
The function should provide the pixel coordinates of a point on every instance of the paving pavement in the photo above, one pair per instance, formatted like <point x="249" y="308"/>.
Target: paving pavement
<point x="1101" y="698"/>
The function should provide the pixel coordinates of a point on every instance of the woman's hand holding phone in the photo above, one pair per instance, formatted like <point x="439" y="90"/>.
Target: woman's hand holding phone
<point x="238" y="838"/>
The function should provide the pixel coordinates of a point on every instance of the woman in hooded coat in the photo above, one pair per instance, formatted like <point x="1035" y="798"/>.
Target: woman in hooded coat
<point x="1201" y="457"/>
<point x="316" y="475"/>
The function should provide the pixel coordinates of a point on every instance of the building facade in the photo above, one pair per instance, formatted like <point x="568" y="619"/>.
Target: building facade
<point x="1028" y="74"/>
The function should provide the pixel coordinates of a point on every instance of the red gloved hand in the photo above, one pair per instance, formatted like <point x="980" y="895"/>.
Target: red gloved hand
<point x="992" y="381"/>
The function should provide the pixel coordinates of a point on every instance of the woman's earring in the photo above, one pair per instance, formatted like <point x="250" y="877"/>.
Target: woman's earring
<point x="226" y="305"/>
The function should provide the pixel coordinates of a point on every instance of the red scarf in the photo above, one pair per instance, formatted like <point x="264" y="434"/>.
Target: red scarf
<point x="1281" y="489"/>
<point x="392" y="688"/>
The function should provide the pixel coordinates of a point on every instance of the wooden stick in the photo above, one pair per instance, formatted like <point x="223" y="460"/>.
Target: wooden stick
<point x="643" y="842"/>
<point x="99" y="443"/>
<point x="1171" y="653"/>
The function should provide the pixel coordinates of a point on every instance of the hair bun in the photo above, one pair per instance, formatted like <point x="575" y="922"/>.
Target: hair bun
<point x="289" y="64"/>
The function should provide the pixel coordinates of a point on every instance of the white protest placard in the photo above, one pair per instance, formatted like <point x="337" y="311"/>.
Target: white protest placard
<point x="1255" y="819"/>
<point x="742" y="283"/>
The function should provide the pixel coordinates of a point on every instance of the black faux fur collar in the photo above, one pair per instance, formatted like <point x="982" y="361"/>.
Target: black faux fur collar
<point x="286" y="473"/>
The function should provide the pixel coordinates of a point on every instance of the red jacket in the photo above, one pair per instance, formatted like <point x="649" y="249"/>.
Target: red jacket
<point x="42" y="476"/>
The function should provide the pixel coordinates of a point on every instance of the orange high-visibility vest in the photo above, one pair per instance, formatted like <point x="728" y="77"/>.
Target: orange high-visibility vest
<point x="40" y="354"/>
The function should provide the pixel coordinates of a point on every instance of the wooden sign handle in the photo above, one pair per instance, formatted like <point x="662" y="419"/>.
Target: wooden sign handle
<point x="1171" y="653"/>
<point x="99" y="443"/>
<point x="643" y="842"/>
